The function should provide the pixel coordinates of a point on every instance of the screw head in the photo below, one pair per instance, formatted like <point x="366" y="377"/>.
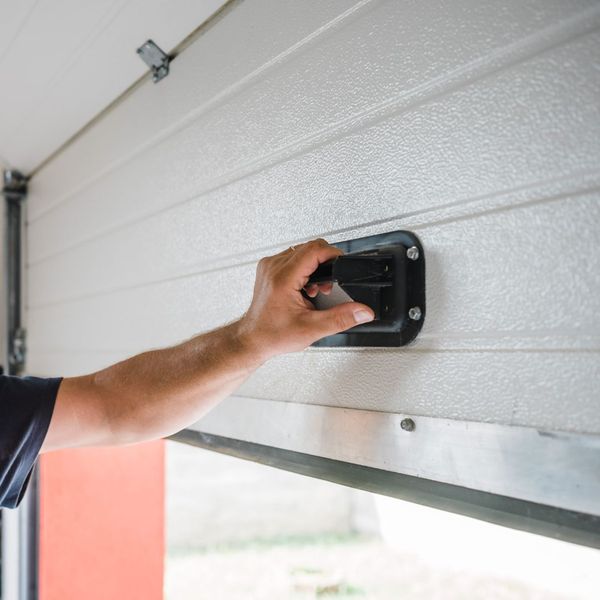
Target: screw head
<point x="407" y="424"/>
<point x="412" y="253"/>
<point x="414" y="313"/>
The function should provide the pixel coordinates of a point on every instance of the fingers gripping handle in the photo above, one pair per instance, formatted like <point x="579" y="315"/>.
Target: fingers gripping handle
<point x="368" y="269"/>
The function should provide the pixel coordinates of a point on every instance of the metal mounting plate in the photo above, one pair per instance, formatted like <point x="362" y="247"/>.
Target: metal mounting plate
<point x="156" y="59"/>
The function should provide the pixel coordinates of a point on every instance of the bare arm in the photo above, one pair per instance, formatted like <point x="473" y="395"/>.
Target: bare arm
<point x="160" y="392"/>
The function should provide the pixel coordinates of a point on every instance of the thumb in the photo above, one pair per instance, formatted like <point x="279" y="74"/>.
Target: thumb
<point x="339" y="318"/>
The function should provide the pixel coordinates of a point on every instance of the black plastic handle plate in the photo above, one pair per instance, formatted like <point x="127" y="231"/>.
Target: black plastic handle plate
<point x="401" y="310"/>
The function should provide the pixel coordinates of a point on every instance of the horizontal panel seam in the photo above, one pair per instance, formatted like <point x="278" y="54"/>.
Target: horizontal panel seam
<point x="76" y="55"/>
<point x="18" y="31"/>
<point x="407" y="350"/>
<point x="463" y="76"/>
<point x="197" y="269"/>
<point x="588" y="439"/>
<point x="214" y="102"/>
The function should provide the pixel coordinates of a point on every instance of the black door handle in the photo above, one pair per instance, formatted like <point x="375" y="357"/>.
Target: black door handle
<point x="387" y="273"/>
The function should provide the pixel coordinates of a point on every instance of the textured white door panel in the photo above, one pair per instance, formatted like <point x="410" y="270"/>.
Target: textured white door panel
<point x="399" y="175"/>
<point x="492" y="325"/>
<point x="486" y="259"/>
<point x="221" y="146"/>
<point x="64" y="61"/>
<point x="197" y="83"/>
<point x="475" y="125"/>
<point x="493" y="387"/>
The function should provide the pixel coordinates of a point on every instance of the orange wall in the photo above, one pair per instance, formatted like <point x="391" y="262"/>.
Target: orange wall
<point x="102" y="524"/>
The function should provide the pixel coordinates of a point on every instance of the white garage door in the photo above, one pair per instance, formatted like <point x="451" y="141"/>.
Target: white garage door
<point x="475" y="125"/>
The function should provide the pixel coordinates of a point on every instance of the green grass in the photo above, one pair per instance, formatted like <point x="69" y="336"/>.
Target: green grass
<point x="322" y="539"/>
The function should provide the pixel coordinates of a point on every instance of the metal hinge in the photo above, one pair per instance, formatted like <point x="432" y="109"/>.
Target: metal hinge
<point x="156" y="59"/>
<point x="17" y="350"/>
<point x="15" y="185"/>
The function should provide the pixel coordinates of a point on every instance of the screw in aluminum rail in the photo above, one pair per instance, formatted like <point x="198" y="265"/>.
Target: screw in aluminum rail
<point x="412" y="253"/>
<point x="414" y="313"/>
<point x="407" y="424"/>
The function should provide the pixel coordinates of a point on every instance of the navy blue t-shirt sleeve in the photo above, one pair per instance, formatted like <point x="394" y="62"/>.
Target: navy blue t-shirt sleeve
<point x="26" y="406"/>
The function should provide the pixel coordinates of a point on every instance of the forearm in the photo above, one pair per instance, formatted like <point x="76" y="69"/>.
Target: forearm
<point x="156" y="393"/>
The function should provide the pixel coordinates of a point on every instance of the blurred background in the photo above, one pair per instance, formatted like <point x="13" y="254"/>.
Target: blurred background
<point x="238" y="530"/>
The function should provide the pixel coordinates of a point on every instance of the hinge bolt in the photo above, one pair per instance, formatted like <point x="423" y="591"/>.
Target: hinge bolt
<point x="407" y="424"/>
<point x="415" y="313"/>
<point x="413" y="253"/>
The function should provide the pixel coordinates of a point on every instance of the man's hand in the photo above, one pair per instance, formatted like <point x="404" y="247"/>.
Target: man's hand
<point x="280" y="319"/>
<point x="157" y="393"/>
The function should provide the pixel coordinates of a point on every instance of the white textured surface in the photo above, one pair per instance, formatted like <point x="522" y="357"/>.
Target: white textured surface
<point x="64" y="61"/>
<point x="477" y="126"/>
